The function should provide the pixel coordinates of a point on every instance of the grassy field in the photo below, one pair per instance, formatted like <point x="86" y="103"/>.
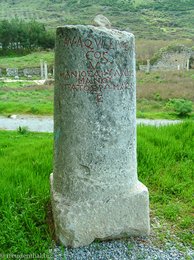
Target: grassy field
<point x="153" y="93"/>
<point x="165" y="165"/>
<point x="29" y="60"/>
<point x="156" y="88"/>
<point x="21" y="98"/>
<point x="147" y="19"/>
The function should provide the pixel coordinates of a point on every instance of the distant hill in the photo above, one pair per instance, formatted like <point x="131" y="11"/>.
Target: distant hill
<point x="149" y="19"/>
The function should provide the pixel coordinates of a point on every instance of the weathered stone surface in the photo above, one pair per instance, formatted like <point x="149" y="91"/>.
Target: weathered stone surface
<point x="31" y="72"/>
<point x="11" y="72"/>
<point x="168" y="59"/>
<point x="101" y="20"/>
<point x="95" y="189"/>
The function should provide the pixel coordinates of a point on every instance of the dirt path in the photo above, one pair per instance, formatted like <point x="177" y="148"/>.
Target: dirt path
<point x="33" y="123"/>
<point x="38" y="82"/>
<point x="45" y="123"/>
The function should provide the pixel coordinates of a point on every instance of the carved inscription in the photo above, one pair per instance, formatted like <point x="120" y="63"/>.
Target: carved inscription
<point x="94" y="44"/>
<point x="101" y="74"/>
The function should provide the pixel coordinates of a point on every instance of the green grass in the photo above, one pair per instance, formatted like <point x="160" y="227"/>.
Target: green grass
<point x="23" y="98"/>
<point x="25" y="166"/>
<point x="19" y="84"/>
<point x="165" y="165"/>
<point x="29" y="60"/>
<point x="158" y="109"/>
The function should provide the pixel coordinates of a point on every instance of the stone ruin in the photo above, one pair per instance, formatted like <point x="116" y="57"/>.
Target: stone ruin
<point x="170" y="58"/>
<point x="95" y="189"/>
<point x="11" y="72"/>
<point x="43" y="71"/>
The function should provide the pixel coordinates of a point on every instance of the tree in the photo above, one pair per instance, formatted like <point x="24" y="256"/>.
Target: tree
<point x="16" y="33"/>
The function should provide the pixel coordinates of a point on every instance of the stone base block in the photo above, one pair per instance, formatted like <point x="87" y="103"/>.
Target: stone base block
<point x="79" y="223"/>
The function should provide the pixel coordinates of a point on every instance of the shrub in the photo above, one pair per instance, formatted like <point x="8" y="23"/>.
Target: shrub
<point x="23" y="130"/>
<point x="181" y="106"/>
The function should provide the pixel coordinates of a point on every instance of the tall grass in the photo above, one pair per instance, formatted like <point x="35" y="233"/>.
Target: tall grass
<point x="165" y="165"/>
<point x="25" y="166"/>
<point x="165" y="157"/>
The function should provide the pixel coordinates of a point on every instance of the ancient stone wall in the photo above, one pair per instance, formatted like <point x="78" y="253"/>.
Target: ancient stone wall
<point x="11" y="72"/>
<point x="24" y="72"/>
<point x="170" y="60"/>
<point x="31" y="72"/>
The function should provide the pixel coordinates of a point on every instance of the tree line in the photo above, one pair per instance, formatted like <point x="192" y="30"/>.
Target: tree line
<point x="17" y="34"/>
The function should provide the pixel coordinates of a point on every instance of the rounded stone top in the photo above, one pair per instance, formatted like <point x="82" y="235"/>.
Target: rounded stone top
<point x="102" y="21"/>
<point x="85" y="29"/>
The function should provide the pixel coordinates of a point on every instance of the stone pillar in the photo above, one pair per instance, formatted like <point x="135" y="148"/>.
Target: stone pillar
<point x="53" y="71"/>
<point x="45" y="71"/>
<point x="95" y="188"/>
<point x="187" y="65"/>
<point x="148" y="66"/>
<point x="41" y="69"/>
